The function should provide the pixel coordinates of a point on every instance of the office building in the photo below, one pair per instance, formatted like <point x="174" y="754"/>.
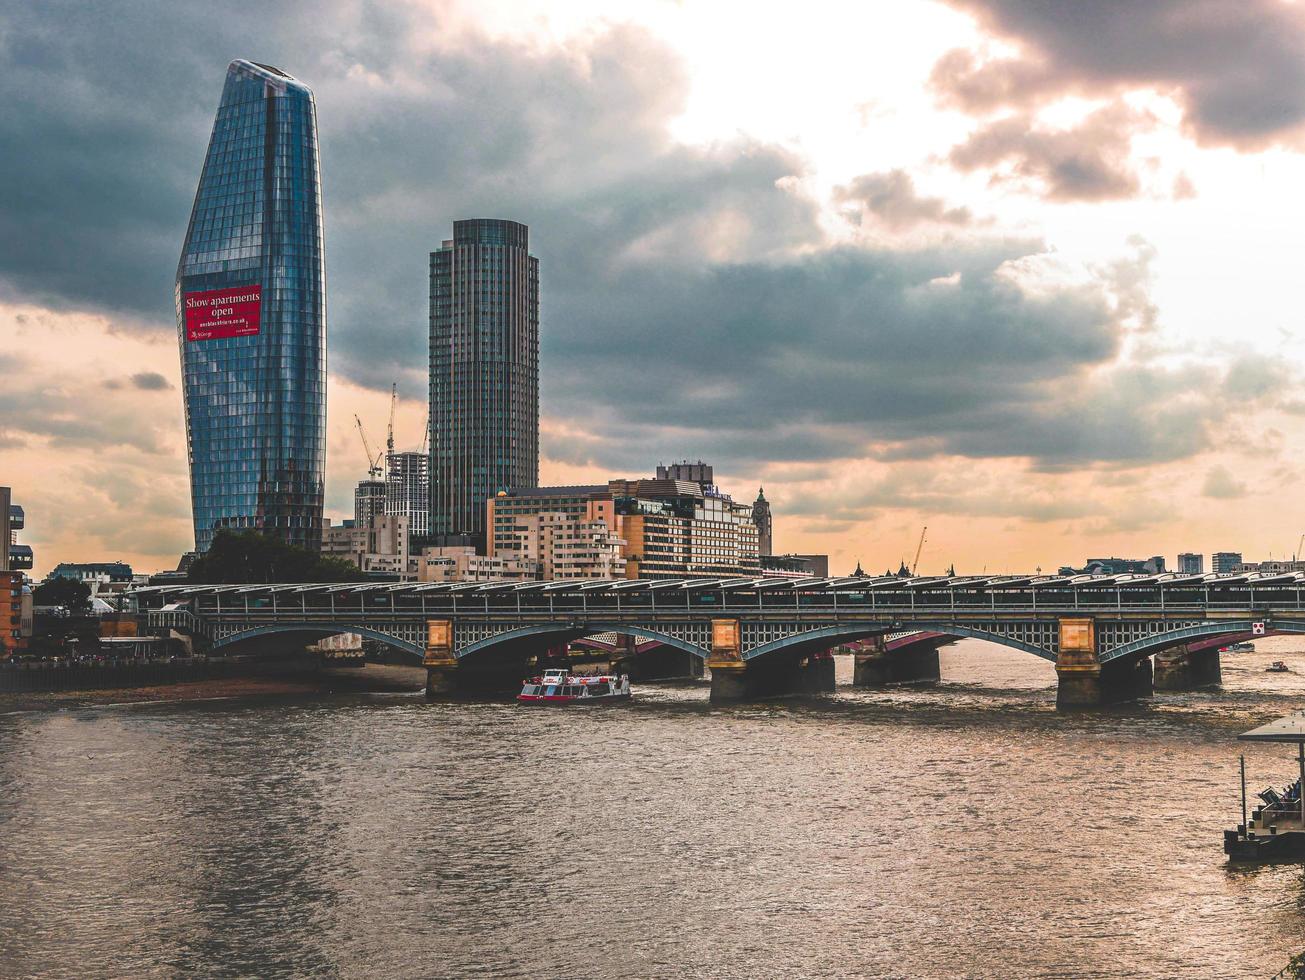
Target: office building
<point x="1270" y="567"/>
<point x="109" y="572"/>
<point x="1225" y="562"/>
<point x="462" y="564"/>
<point x="15" y="598"/>
<point x="380" y="547"/>
<point x="795" y="566"/>
<point x="700" y="473"/>
<point x="251" y="316"/>
<point x="104" y="578"/>
<point x="484" y="373"/>
<point x="670" y="528"/>
<point x="13" y="556"/>
<point x="1191" y="564"/>
<point x="761" y="518"/>
<point x="507" y="510"/>
<point x="676" y="529"/>
<point x="407" y="490"/>
<point x="368" y="501"/>
<point x="1117" y="566"/>
<point x="567" y="547"/>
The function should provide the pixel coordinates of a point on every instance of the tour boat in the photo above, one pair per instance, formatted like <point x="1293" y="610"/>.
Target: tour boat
<point x="1277" y="667"/>
<point x="1242" y="647"/>
<point x="559" y="687"/>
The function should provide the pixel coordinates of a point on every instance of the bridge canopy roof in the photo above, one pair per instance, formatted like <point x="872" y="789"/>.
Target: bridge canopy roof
<point x="920" y="584"/>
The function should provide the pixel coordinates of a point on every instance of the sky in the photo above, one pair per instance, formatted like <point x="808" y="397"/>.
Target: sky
<point x="1025" y="272"/>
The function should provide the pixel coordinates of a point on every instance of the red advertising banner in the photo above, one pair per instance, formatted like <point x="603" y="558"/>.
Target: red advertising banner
<point x="217" y="313"/>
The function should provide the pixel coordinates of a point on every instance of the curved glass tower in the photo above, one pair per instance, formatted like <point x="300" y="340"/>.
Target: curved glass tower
<point x="251" y="315"/>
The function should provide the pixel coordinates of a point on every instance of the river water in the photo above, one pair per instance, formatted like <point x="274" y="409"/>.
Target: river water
<point x="967" y="830"/>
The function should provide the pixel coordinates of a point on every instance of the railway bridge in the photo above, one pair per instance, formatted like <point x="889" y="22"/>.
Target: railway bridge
<point x="766" y="636"/>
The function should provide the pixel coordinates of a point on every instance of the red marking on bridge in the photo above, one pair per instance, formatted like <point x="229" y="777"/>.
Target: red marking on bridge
<point x="1226" y="639"/>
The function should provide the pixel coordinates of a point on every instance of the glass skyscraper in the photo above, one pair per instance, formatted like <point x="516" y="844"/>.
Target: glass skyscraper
<point x="484" y="372"/>
<point x="251" y="315"/>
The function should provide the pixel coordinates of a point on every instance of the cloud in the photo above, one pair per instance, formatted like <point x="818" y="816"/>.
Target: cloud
<point x="1086" y="162"/>
<point x="1236" y="70"/>
<point x="150" y="381"/>
<point x="700" y="271"/>
<point x="891" y="197"/>
<point x="1220" y="484"/>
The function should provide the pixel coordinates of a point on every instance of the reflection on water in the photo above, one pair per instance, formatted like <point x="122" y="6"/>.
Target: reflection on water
<point x="964" y="830"/>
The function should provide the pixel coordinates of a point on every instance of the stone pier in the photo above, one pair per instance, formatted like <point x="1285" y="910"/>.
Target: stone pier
<point x="774" y="675"/>
<point x="1084" y="681"/>
<point x="1183" y="668"/>
<point x="914" y="663"/>
<point x="441" y="666"/>
<point x="729" y="680"/>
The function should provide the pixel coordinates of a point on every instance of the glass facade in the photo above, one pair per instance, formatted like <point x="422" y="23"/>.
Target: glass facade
<point x="251" y="315"/>
<point x="484" y="371"/>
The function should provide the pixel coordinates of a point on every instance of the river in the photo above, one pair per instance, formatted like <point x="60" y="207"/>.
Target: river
<point x="968" y="830"/>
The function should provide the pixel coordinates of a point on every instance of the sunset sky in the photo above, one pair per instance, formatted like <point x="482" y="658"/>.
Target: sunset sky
<point x="1027" y="272"/>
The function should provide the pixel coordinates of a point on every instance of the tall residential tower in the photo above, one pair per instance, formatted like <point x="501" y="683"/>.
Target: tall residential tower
<point x="484" y="372"/>
<point x="251" y="315"/>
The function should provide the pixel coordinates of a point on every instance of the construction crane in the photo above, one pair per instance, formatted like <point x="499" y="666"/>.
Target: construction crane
<point x="373" y="459"/>
<point x="389" y="433"/>
<point x="918" y="548"/>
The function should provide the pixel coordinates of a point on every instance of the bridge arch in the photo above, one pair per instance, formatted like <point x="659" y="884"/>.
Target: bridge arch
<point x="560" y="632"/>
<point x="1148" y="645"/>
<point x="833" y="635"/>
<point x="317" y="631"/>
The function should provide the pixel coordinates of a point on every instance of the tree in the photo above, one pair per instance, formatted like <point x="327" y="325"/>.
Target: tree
<point x="63" y="592"/>
<point x="254" y="558"/>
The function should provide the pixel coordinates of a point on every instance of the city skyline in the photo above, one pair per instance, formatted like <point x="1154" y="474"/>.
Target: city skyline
<point x="1119" y="299"/>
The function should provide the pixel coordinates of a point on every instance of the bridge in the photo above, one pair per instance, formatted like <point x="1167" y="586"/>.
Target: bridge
<point x="764" y="636"/>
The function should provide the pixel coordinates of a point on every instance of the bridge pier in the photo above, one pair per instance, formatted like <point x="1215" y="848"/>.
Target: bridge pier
<point x="1181" y="668"/>
<point x="1084" y="681"/>
<point x="441" y="666"/>
<point x="446" y="675"/>
<point x="818" y="673"/>
<point x="774" y="675"/>
<point x="729" y="680"/>
<point x="916" y="664"/>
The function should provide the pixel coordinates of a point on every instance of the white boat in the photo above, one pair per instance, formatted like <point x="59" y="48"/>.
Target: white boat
<point x="559" y="687"/>
<point x="1242" y="647"/>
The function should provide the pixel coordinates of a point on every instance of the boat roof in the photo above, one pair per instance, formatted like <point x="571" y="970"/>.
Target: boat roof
<point x="1289" y="728"/>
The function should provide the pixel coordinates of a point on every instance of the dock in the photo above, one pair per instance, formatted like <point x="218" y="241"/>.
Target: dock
<point x="1275" y="829"/>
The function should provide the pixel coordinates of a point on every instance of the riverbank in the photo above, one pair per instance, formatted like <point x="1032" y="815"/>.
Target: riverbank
<point x="373" y="678"/>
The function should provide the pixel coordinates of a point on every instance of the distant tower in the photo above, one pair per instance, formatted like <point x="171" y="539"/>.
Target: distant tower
<point x="368" y="502"/>
<point x="484" y="372"/>
<point x="761" y="518"/>
<point x="407" y="490"/>
<point x="251" y="316"/>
